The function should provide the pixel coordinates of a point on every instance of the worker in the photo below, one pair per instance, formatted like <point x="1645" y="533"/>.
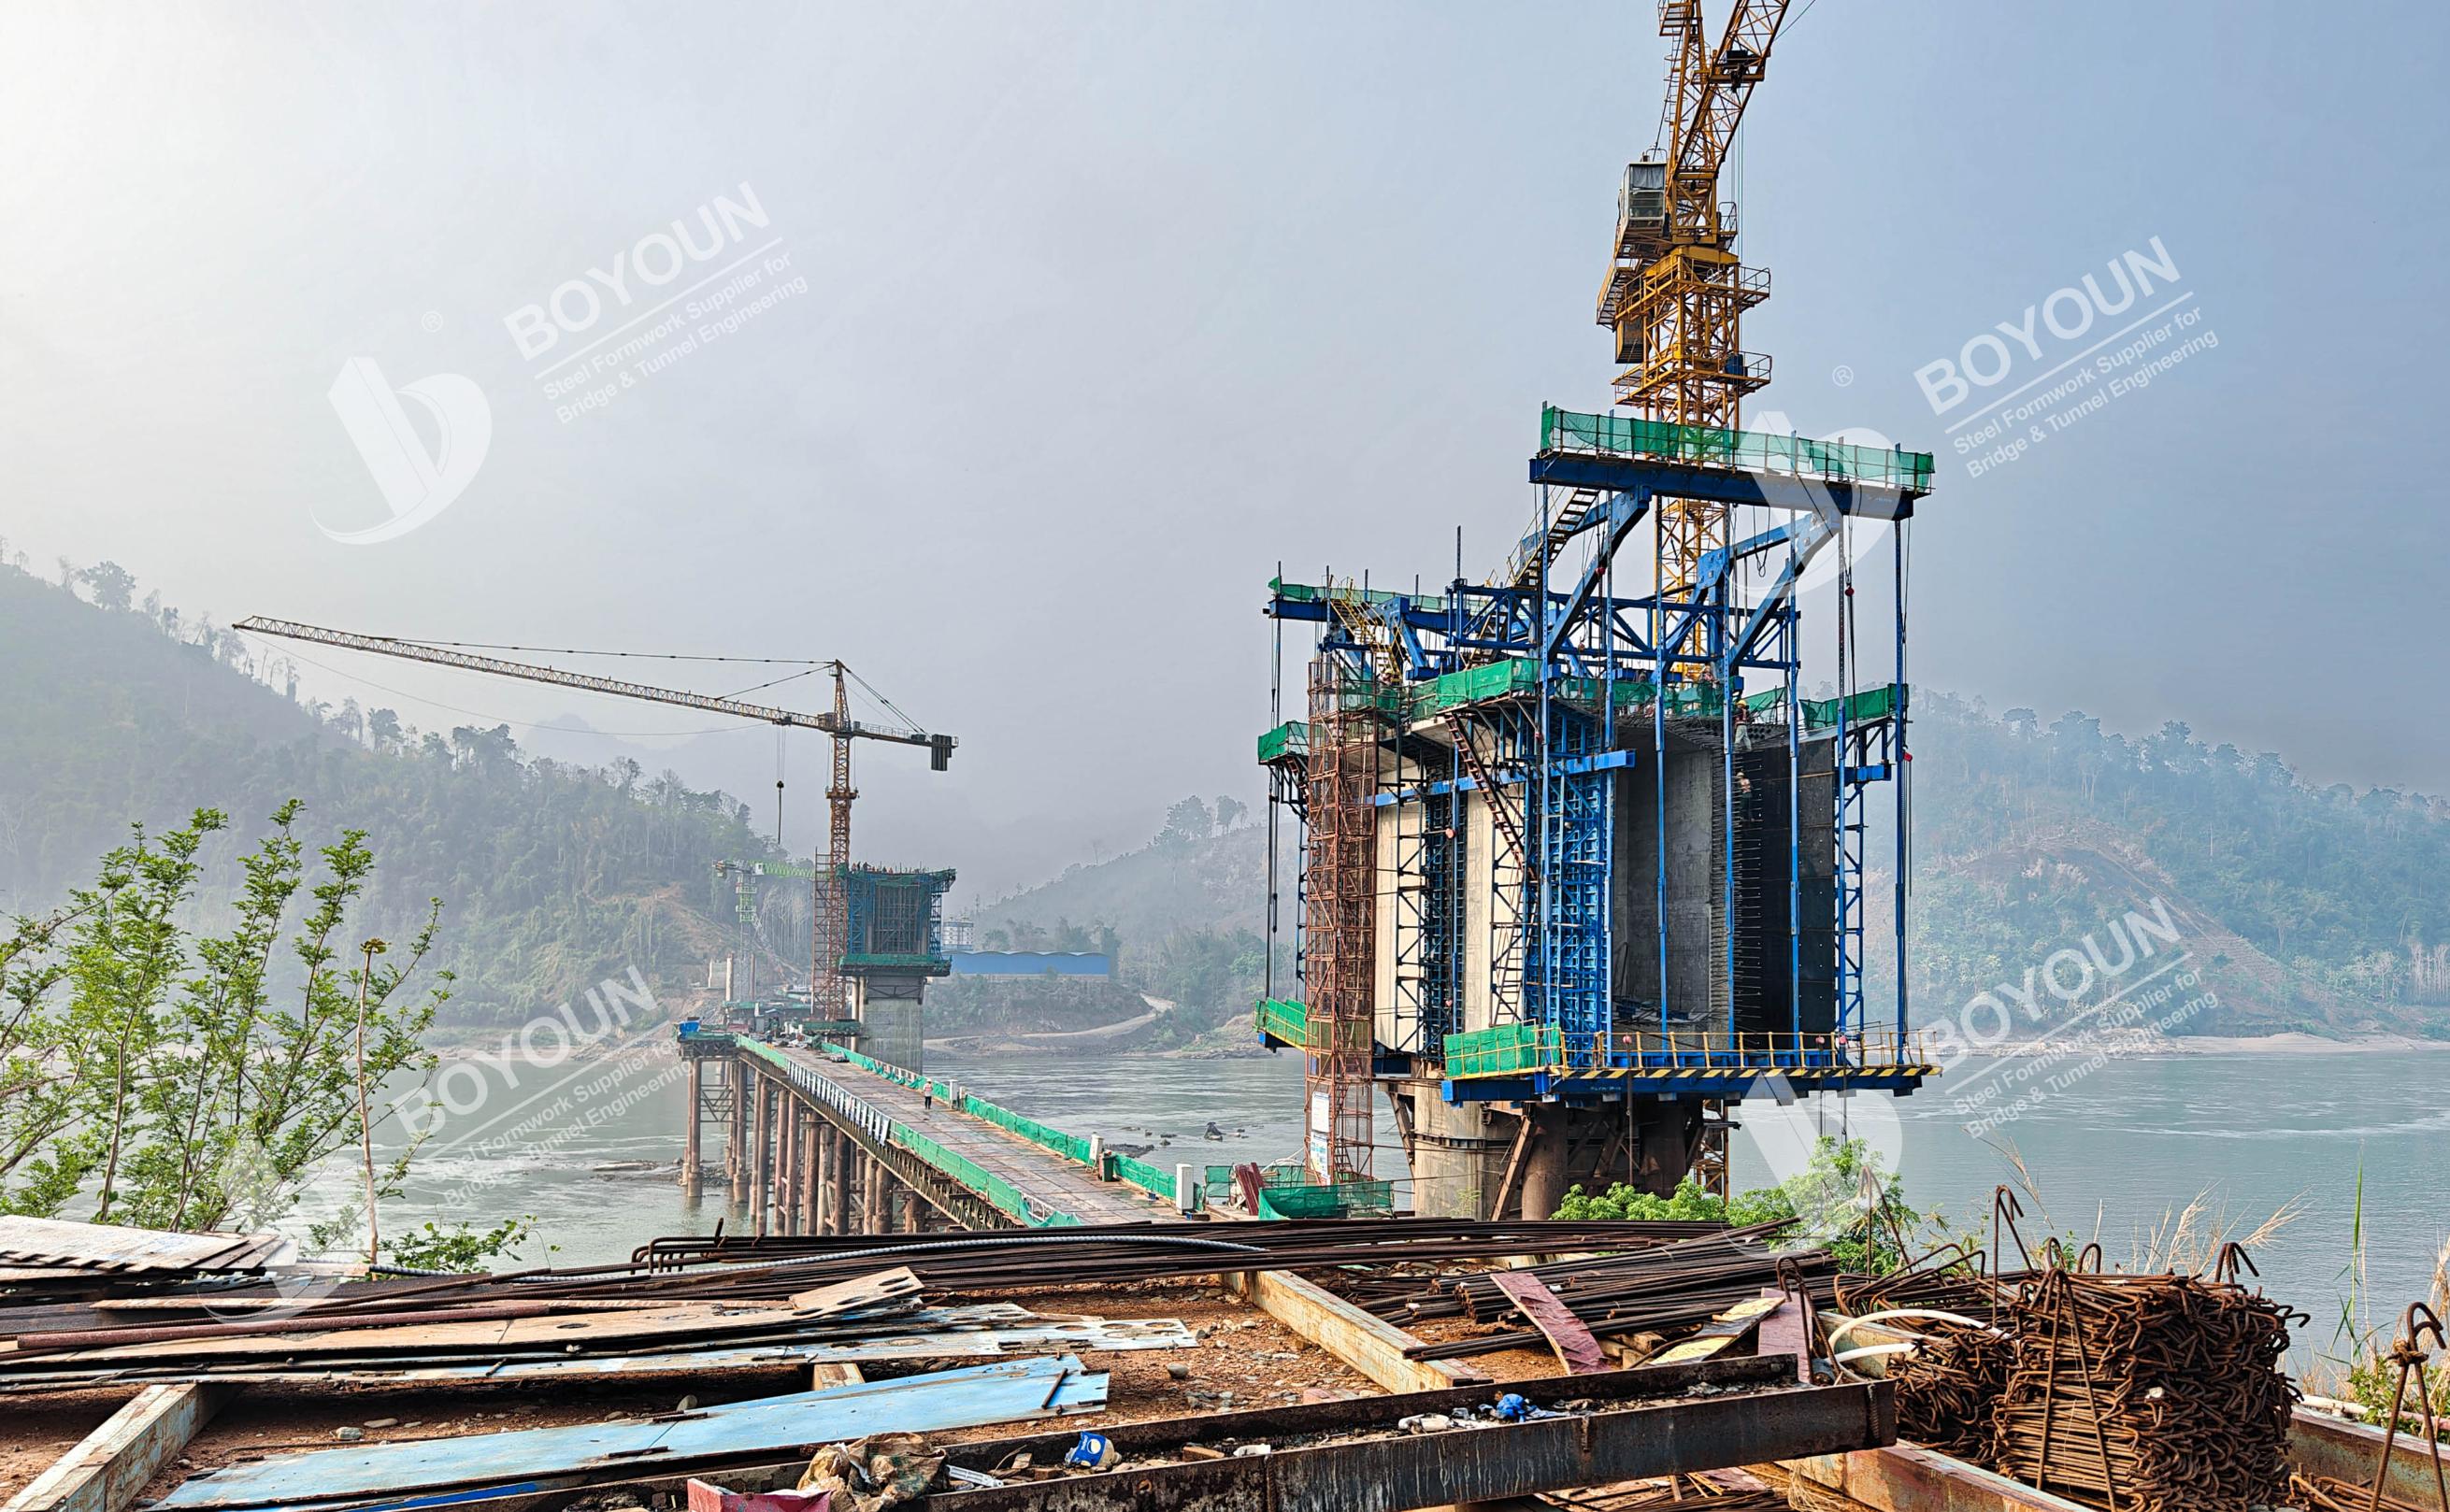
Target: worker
<point x="927" y="1098"/>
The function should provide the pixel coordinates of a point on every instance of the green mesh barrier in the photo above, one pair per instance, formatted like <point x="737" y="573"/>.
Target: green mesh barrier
<point x="1338" y="1201"/>
<point x="1154" y="1180"/>
<point x="1498" y="1050"/>
<point x="1750" y="451"/>
<point x="1291" y="738"/>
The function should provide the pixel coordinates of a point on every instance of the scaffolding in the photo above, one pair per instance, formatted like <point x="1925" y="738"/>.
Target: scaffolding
<point x="1339" y="917"/>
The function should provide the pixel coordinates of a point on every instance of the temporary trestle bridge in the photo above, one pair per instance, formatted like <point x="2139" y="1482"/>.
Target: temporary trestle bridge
<point x="831" y="1141"/>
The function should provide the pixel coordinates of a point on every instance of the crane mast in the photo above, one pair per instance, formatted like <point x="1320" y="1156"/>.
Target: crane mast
<point x="831" y="910"/>
<point x="1676" y="292"/>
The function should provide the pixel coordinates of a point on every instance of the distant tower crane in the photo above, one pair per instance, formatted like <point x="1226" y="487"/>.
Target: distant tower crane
<point x="1676" y="293"/>
<point x="829" y="935"/>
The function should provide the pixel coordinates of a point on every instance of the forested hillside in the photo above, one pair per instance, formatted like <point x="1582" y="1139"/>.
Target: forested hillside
<point x="552" y="877"/>
<point x="2320" y="908"/>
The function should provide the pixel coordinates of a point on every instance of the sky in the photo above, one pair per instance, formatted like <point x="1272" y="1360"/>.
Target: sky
<point x="1029" y="339"/>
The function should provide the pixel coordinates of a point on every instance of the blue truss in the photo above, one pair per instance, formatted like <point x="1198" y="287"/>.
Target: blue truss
<point x="1552" y="744"/>
<point x="1570" y="808"/>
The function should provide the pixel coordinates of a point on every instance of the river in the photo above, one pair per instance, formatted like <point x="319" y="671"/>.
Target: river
<point x="2132" y="1143"/>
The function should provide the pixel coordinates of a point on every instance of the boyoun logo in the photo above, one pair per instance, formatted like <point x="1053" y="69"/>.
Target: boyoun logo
<point x="416" y="483"/>
<point x="575" y="305"/>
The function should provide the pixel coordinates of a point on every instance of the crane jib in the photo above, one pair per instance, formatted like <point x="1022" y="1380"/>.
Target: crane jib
<point x="940" y="747"/>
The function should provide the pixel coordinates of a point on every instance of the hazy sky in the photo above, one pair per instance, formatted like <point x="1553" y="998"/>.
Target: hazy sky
<point x="1109" y="308"/>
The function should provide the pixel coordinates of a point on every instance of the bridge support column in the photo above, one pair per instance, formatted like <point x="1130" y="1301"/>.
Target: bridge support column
<point x="692" y="1174"/>
<point x="786" y="1133"/>
<point x="844" y="1152"/>
<point x="1543" y="1164"/>
<point x="761" y="1157"/>
<point x="735" y="1142"/>
<point x="872" y="1211"/>
<point x="812" y="1166"/>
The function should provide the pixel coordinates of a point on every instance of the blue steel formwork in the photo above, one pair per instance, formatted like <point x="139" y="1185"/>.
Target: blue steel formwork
<point x="895" y="921"/>
<point x="1571" y="806"/>
<point x="1600" y="677"/>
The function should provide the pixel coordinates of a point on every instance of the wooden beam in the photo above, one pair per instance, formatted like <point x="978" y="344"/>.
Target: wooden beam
<point x="1514" y="1163"/>
<point x="107" y="1471"/>
<point x="1371" y="1346"/>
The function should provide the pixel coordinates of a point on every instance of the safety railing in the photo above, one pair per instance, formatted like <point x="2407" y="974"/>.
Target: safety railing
<point x="1574" y="431"/>
<point x="1005" y="1197"/>
<point x="1508" y="1050"/>
<point x="1155" y="1180"/>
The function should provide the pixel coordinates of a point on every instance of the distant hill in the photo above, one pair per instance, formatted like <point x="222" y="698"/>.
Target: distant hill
<point x="1183" y="914"/>
<point x="553" y="877"/>
<point x="2322" y="909"/>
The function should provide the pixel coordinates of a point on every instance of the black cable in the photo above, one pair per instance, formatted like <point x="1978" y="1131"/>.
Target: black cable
<point x="572" y="651"/>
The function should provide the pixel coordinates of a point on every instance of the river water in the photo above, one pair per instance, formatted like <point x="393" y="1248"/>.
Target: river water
<point x="2112" y="1156"/>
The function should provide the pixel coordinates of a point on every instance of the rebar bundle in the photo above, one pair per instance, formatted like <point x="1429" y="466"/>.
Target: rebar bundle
<point x="2151" y="1393"/>
<point x="1949" y="1385"/>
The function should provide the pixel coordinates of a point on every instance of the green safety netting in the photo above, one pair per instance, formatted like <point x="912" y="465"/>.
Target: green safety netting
<point x="1279" y="1020"/>
<point x="1519" y="677"/>
<point x="1155" y="1180"/>
<point x="1750" y="451"/>
<point x="1311" y="1201"/>
<point x="1499" y="1049"/>
<point x="1291" y="738"/>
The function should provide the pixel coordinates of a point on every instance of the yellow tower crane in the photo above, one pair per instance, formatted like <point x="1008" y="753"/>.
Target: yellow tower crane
<point x="1676" y="293"/>
<point x="829" y="936"/>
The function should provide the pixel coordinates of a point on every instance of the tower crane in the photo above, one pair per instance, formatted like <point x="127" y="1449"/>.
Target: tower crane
<point x="1676" y="292"/>
<point x="829" y="936"/>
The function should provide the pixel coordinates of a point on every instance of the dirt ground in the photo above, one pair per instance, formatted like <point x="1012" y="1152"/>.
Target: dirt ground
<point x="1504" y="1364"/>
<point x="1245" y="1360"/>
<point x="38" y="1433"/>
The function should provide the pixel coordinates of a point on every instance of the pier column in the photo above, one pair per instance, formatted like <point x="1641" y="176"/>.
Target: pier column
<point x="786" y="1144"/>
<point x="812" y="1166"/>
<point x="735" y="1143"/>
<point x="872" y="1208"/>
<point x="761" y="1157"/>
<point x="692" y="1176"/>
<point x="1544" y="1165"/>
<point x="844" y="1152"/>
<point x="829" y="1159"/>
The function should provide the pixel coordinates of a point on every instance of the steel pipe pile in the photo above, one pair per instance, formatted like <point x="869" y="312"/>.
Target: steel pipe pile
<point x="2150" y="1393"/>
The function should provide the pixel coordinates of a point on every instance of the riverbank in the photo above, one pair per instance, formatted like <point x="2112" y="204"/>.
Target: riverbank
<point x="2162" y="1047"/>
